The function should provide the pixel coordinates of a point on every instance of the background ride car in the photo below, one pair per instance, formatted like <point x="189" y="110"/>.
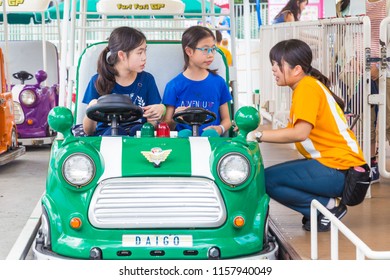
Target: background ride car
<point x="9" y="147"/>
<point x="29" y="54"/>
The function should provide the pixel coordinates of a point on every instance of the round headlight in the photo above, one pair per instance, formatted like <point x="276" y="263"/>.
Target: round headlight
<point x="233" y="169"/>
<point x="18" y="113"/>
<point x="78" y="170"/>
<point x="28" y="97"/>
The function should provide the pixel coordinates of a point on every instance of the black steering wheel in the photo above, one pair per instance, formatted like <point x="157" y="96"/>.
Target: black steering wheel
<point x="114" y="109"/>
<point x="195" y="117"/>
<point x="22" y="76"/>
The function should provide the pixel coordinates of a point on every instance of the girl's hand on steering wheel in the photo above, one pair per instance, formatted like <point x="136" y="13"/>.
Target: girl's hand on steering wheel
<point x="154" y="112"/>
<point x="180" y="109"/>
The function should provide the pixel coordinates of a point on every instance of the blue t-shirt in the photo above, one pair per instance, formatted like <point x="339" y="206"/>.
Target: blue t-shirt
<point x="280" y="18"/>
<point x="209" y="94"/>
<point x="143" y="91"/>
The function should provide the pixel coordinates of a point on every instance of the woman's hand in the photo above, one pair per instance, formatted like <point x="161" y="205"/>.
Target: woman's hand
<point x="154" y="112"/>
<point x="250" y="137"/>
<point x="298" y="133"/>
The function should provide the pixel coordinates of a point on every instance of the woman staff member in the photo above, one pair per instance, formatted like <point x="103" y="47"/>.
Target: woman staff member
<point x="320" y="132"/>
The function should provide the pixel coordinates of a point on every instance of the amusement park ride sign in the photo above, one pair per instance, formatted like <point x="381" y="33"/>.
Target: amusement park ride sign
<point x="25" y="5"/>
<point x="139" y="7"/>
<point x="109" y="7"/>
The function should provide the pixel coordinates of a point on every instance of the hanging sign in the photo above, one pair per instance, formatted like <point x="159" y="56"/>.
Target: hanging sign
<point x="140" y="7"/>
<point x="25" y="6"/>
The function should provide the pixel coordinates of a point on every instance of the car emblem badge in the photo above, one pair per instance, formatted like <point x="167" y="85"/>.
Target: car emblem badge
<point x="156" y="155"/>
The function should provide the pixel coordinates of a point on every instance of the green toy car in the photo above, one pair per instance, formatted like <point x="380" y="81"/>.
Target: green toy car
<point x="123" y="197"/>
<point x="154" y="195"/>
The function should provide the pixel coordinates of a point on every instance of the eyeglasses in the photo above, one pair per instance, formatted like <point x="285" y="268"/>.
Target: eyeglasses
<point x="207" y="51"/>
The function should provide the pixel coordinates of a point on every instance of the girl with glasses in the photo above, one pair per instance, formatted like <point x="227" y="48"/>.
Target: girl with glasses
<point x="197" y="85"/>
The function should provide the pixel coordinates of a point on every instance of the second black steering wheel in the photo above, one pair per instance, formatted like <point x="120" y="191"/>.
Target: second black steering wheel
<point x="195" y="117"/>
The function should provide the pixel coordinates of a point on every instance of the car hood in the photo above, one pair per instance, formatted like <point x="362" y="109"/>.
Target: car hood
<point x="125" y="156"/>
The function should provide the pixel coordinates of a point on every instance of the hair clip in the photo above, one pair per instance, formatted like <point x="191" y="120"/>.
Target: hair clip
<point x="108" y="57"/>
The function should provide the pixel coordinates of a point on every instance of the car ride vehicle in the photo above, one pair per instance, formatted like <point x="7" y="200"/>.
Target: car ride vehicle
<point x="154" y="195"/>
<point x="32" y="71"/>
<point x="32" y="105"/>
<point x="122" y="197"/>
<point x="9" y="146"/>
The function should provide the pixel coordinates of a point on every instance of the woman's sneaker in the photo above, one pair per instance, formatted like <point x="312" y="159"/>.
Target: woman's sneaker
<point x="323" y="223"/>
<point x="374" y="172"/>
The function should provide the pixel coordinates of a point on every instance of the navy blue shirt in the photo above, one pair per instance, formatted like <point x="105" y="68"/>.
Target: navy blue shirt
<point x="143" y="91"/>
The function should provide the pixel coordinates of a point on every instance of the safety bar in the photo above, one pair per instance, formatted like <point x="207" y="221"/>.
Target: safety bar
<point x="362" y="250"/>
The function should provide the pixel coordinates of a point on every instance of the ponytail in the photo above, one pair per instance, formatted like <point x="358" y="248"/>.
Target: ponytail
<point x="323" y="79"/>
<point x="106" y="79"/>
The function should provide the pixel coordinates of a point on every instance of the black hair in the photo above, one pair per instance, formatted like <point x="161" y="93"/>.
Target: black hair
<point x="218" y="36"/>
<point x="123" y="39"/>
<point x="344" y="4"/>
<point x="296" y="52"/>
<point x="293" y="7"/>
<point x="191" y="38"/>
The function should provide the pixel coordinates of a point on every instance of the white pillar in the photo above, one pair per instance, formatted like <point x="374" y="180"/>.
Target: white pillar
<point x="247" y="38"/>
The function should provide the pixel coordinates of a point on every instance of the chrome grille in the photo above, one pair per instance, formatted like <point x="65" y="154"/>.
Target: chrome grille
<point x="157" y="202"/>
<point x="18" y="113"/>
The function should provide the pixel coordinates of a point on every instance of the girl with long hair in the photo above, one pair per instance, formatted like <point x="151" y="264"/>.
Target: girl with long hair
<point x="120" y="70"/>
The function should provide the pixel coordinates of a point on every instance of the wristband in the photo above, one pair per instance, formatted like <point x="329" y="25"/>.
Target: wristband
<point x="222" y="128"/>
<point x="165" y="111"/>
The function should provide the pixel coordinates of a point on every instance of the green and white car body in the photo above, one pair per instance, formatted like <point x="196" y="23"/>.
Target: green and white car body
<point x="106" y="200"/>
<point x="147" y="197"/>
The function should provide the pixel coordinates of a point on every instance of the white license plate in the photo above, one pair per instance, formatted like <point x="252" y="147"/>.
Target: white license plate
<point x="157" y="240"/>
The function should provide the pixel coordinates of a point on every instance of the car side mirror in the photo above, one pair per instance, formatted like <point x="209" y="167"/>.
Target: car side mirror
<point x="247" y="119"/>
<point x="61" y="120"/>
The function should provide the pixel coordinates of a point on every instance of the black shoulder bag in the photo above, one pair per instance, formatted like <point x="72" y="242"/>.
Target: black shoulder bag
<point x="357" y="181"/>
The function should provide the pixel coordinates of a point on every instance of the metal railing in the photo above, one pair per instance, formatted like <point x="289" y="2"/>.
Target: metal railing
<point x="254" y="23"/>
<point x="383" y="76"/>
<point x="362" y="250"/>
